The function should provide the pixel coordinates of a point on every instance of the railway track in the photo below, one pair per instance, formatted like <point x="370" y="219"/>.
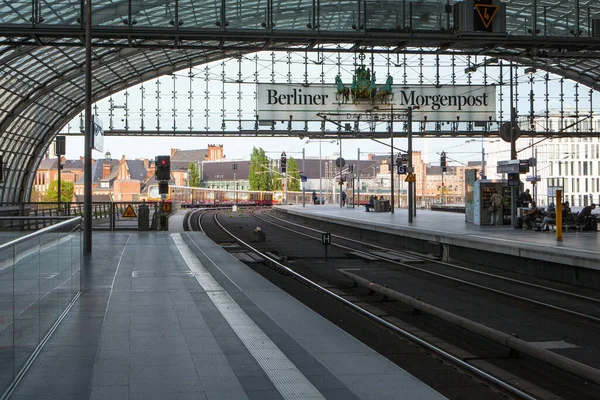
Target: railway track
<point x="536" y="293"/>
<point x="325" y="278"/>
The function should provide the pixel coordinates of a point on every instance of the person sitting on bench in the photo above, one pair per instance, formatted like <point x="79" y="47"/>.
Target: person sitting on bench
<point x="530" y="216"/>
<point x="371" y="204"/>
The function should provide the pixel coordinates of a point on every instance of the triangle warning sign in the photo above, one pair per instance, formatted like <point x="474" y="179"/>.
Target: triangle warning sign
<point x="486" y="12"/>
<point x="129" y="213"/>
<point x="410" y="178"/>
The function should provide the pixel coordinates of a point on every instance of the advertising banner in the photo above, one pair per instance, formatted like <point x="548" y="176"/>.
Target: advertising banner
<point x="97" y="134"/>
<point x="465" y="103"/>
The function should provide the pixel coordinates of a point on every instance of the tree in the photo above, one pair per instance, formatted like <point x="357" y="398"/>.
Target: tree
<point x="193" y="176"/>
<point x="293" y="174"/>
<point x="66" y="191"/>
<point x="36" y="196"/>
<point x="259" y="175"/>
<point x="277" y="181"/>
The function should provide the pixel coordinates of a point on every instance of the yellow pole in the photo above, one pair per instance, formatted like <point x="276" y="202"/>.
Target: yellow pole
<point x="559" y="215"/>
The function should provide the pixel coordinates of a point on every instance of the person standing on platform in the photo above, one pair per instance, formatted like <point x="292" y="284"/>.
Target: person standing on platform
<point x="496" y="208"/>
<point x="343" y="198"/>
<point x="525" y="198"/>
<point x="314" y="197"/>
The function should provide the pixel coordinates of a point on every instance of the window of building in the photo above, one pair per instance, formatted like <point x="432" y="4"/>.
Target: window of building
<point x="585" y="151"/>
<point x="586" y="185"/>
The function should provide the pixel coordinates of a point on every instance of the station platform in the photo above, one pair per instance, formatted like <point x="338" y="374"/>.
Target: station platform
<point x="457" y="239"/>
<point x="168" y="315"/>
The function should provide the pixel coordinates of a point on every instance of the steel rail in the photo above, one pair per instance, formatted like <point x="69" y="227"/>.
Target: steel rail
<point x="564" y="363"/>
<point x="512" y="280"/>
<point x="504" y="385"/>
<point x="476" y="285"/>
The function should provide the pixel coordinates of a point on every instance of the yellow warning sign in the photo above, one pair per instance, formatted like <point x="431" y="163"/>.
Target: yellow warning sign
<point x="166" y="207"/>
<point x="486" y="12"/>
<point x="410" y="178"/>
<point x="129" y="213"/>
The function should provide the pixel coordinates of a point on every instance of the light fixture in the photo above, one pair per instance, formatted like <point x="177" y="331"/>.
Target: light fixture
<point x="530" y="71"/>
<point x="470" y="70"/>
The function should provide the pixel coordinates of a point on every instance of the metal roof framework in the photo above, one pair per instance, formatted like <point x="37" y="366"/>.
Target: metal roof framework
<point x="42" y="54"/>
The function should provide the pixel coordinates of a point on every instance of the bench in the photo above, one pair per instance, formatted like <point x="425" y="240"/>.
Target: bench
<point x="569" y="222"/>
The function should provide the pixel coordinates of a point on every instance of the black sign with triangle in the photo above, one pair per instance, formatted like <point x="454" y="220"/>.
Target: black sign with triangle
<point x="484" y="14"/>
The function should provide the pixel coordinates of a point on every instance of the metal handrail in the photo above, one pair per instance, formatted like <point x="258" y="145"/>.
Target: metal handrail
<point x="42" y="231"/>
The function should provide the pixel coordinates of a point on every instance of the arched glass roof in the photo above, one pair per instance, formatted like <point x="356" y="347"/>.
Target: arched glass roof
<point x="42" y="55"/>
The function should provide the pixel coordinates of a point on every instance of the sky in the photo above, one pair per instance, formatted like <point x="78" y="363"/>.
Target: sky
<point x="184" y="93"/>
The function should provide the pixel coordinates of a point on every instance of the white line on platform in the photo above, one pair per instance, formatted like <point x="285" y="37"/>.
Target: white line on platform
<point x="288" y="380"/>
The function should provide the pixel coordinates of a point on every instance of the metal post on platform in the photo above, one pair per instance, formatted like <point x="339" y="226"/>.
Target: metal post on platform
<point x="341" y="183"/>
<point x="513" y="149"/>
<point x="392" y="158"/>
<point x="358" y="177"/>
<point x="235" y="195"/>
<point x="442" y="190"/>
<point x="558" y="210"/>
<point x="302" y="180"/>
<point x="59" y="184"/>
<point x="87" y="168"/>
<point x="320" y="174"/>
<point x="411" y="187"/>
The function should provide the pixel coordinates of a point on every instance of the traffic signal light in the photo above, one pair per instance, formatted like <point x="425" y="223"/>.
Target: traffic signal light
<point x="60" y="146"/>
<point x="283" y="162"/>
<point x="162" y="167"/>
<point x="443" y="161"/>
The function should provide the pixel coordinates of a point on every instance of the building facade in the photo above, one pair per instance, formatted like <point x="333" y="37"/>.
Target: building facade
<point x="569" y="163"/>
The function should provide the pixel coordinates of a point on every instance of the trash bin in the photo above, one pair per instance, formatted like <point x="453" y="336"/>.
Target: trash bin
<point x="164" y="223"/>
<point x="385" y="206"/>
<point x="377" y="207"/>
<point x="143" y="217"/>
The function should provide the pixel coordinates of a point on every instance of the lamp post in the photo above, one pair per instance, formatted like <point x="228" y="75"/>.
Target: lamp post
<point x="302" y="179"/>
<point x="234" y="166"/>
<point x="411" y="187"/>
<point x="320" y="174"/>
<point x="513" y="148"/>
<point x="392" y="158"/>
<point x="341" y="182"/>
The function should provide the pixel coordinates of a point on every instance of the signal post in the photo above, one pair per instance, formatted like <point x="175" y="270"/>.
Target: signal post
<point x="162" y="173"/>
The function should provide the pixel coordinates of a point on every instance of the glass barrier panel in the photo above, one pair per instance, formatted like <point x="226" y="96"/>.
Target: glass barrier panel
<point x="7" y="370"/>
<point x="26" y="330"/>
<point x="63" y="12"/>
<point x="242" y="14"/>
<point x="15" y="12"/>
<point x="49" y="282"/>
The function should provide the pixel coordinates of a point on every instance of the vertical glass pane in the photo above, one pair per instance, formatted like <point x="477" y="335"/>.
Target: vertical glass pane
<point x="26" y="303"/>
<point x="17" y="11"/>
<point x="64" y="12"/>
<point x="63" y="289"/>
<point x="6" y="318"/>
<point x="49" y="280"/>
<point x="76" y="249"/>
